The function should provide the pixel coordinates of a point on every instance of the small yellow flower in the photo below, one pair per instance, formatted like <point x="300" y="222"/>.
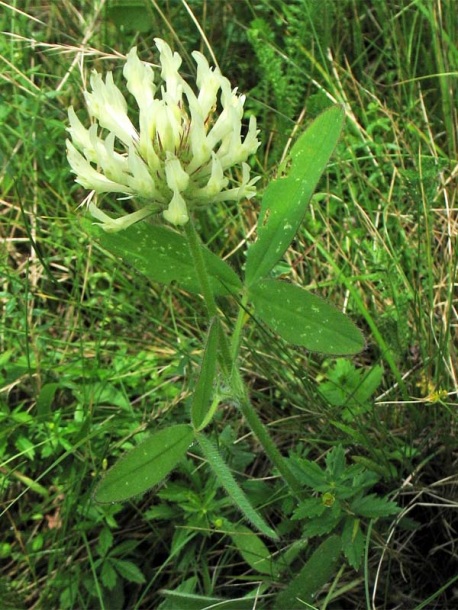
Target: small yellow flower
<point x="430" y="392"/>
<point x="179" y="156"/>
<point x="436" y="396"/>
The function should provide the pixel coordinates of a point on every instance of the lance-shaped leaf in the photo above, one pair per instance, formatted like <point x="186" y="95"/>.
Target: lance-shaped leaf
<point x="163" y="256"/>
<point x="253" y="549"/>
<point x="191" y="601"/>
<point x="202" y="410"/>
<point x="146" y="465"/>
<point x="285" y="200"/>
<point x="304" y="319"/>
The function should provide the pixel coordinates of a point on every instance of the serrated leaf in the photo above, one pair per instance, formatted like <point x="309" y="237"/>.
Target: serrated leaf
<point x="146" y="465"/>
<point x="350" y="387"/>
<point x="336" y="462"/>
<point x="325" y="523"/>
<point x="104" y="541"/>
<point x="127" y="547"/>
<point x="353" y="542"/>
<point x="307" y="509"/>
<point x="308" y="473"/>
<point x="129" y="571"/>
<point x="286" y="199"/>
<point x="163" y="256"/>
<point x="108" y="575"/>
<point x="201" y="411"/>
<point x="374" y="506"/>
<point x="303" y="319"/>
<point x="161" y="511"/>
<point x="312" y="577"/>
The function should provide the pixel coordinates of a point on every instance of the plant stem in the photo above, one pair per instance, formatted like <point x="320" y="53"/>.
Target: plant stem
<point x="269" y="446"/>
<point x="195" y="246"/>
<point x="229" y="359"/>
<point x="239" y="324"/>
<point x="199" y="262"/>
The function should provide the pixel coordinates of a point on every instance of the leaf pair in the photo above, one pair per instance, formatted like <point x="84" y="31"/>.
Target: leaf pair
<point x="296" y="315"/>
<point x="151" y="461"/>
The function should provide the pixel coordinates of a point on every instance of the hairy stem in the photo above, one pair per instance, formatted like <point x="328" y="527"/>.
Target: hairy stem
<point x="228" y="362"/>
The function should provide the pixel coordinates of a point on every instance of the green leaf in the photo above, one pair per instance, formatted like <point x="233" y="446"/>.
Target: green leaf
<point x="309" y="508"/>
<point x="253" y="550"/>
<point x="374" y="506"/>
<point x="226" y="479"/>
<point x="350" y="387"/>
<point x="45" y="399"/>
<point x="146" y="465"/>
<point x="309" y="473"/>
<point x="304" y="319"/>
<point x="201" y="410"/>
<point x="382" y="467"/>
<point x="128" y="570"/>
<point x="163" y="256"/>
<point x="355" y="435"/>
<point x="353" y="542"/>
<point x="104" y="541"/>
<point x="336" y="462"/>
<point x="325" y="523"/>
<point x="108" y="575"/>
<point x="130" y="16"/>
<point x="312" y="577"/>
<point x="285" y="200"/>
<point x="178" y="600"/>
<point x="161" y="511"/>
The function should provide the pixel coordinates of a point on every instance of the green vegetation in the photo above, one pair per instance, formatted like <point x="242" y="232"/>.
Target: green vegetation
<point x="96" y="354"/>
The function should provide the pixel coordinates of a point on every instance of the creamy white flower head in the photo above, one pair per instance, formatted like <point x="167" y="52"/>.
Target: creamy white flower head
<point x="180" y="153"/>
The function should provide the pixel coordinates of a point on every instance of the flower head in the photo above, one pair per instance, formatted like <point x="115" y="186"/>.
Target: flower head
<point x="179" y="155"/>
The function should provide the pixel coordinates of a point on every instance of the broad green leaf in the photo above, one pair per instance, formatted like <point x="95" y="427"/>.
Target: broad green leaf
<point x="235" y="492"/>
<point x="130" y="15"/>
<point x="201" y="409"/>
<point x="312" y="577"/>
<point x="253" y="549"/>
<point x="285" y="200"/>
<point x="146" y="465"/>
<point x="163" y="256"/>
<point x="303" y="319"/>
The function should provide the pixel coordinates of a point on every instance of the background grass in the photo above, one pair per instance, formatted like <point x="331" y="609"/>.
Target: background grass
<point x="93" y="357"/>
